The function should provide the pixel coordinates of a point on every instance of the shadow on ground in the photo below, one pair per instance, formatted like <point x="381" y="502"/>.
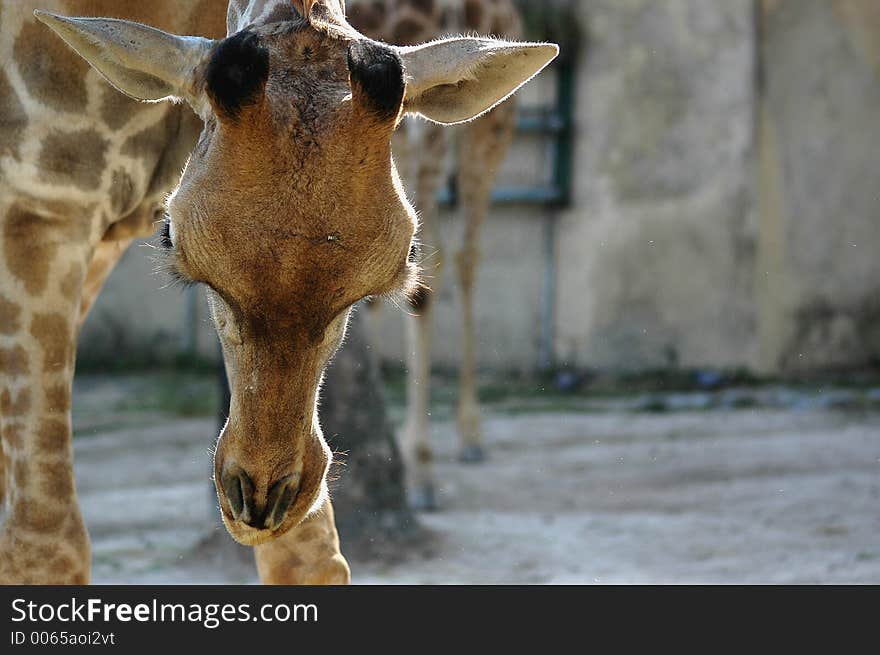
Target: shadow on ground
<point x="782" y="487"/>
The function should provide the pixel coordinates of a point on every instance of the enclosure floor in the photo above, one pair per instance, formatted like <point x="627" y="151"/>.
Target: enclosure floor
<point x="727" y="496"/>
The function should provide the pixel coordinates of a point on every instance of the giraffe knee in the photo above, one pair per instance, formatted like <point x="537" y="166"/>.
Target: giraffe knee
<point x="335" y="572"/>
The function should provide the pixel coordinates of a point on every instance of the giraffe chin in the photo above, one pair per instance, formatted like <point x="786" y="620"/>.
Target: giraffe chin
<point x="248" y="536"/>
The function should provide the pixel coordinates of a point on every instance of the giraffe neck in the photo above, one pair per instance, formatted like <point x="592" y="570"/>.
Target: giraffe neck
<point x="400" y="22"/>
<point x="242" y="13"/>
<point x="69" y="143"/>
<point x="79" y="162"/>
<point x="408" y="22"/>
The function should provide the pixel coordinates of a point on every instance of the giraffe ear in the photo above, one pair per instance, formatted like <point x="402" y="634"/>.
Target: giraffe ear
<point x="142" y="62"/>
<point x="456" y="80"/>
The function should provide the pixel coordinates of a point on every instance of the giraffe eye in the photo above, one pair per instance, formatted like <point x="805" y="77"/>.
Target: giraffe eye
<point x="165" y="234"/>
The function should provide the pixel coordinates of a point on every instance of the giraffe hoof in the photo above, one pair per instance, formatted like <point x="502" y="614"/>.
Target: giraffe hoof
<point x="424" y="499"/>
<point x="472" y="455"/>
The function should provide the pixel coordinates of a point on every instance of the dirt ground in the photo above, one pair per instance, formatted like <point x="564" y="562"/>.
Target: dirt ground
<point x="776" y="492"/>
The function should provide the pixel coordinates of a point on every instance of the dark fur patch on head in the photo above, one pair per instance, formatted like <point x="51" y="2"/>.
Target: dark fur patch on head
<point x="237" y="72"/>
<point x="378" y="71"/>
<point x="420" y="298"/>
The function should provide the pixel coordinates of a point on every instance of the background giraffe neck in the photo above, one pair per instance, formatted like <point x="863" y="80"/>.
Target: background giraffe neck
<point x="410" y="22"/>
<point x="401" y="22"/>
<point x="242" y="13"/>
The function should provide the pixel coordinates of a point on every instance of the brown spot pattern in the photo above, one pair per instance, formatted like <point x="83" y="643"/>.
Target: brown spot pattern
<point x="53" y="333"/>
<point x="117" y="108"/>
<point x="28" y="253"/>
<point x="426" y="6"/>
<point x="37" y="517"/>
<point x="57" y="480"/>
<point x="15" y="405"/>
<point x="20" y="474"/>
<point x="473" y="13"/>
<point x="408" y="31"/>
<point x="75" y="534"/>
<point x="121" y="192"/>
<point x="12" y="435"/>
<point x="30" y="241"/>
<point x="53" y="436"/>
<point x="62" y="565"/>
<point x="10" y="321"/>
<point x="58" y="398"/>
<point x="53" y="75"/>
<point x="74" y="158"/>
<point x="149" y="142"/>
<point x="367" y="18"/>
<point x="13" y="361"/>
<point x="13" y="118"/>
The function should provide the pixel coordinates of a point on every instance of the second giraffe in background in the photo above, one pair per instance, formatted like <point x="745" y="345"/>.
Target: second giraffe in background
<point x="420" y="154"/>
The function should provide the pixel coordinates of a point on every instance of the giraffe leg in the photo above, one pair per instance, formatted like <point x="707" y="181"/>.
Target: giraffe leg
<point x="305" y="555"/>
<point x="43" y="538"/>
<point x="104" y="258"/>
<point x="484" y="144"/>
<point x="416" y="445"/>
<point x="416" y="449"/>
<point x="3" y="481"/>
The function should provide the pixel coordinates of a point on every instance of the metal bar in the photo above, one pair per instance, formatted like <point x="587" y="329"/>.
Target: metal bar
<point x="557" y="122"/>
<point x="565" y="100"/>
<point x="543" y="195"/>
<point x="540" y="122"/>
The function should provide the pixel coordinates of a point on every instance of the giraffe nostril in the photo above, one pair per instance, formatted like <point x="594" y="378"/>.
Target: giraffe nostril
<point x="279" y="500"/>
<point x="239" y="490"/>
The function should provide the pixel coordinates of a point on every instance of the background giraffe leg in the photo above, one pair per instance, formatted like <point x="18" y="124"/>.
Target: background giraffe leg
<point x="416" y="446"/>
<point x="43" y="537"/>
<point x="484" y="144"/>
<point x="104" y="258"/>
<point x="3" y="481"/>
<point x="305" y="555"/>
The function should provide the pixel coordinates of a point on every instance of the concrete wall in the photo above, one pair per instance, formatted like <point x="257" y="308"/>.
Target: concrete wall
<point x="819" y="119"/>
<point x="656" y="253"/>
<point x="725" y="207"/>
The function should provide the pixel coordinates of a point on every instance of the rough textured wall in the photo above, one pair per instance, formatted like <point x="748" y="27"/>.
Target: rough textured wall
<point x="726" y="209"/>
<point x="656" y="255"/>
<point x="819" y="119"/>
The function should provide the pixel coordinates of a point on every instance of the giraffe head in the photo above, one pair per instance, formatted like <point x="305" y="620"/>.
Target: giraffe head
<point x="290" y="210"/>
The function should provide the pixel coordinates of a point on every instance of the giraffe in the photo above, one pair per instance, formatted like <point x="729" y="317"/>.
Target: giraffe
<point x="421" y="154"/>
<point x="285" y="219"/>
